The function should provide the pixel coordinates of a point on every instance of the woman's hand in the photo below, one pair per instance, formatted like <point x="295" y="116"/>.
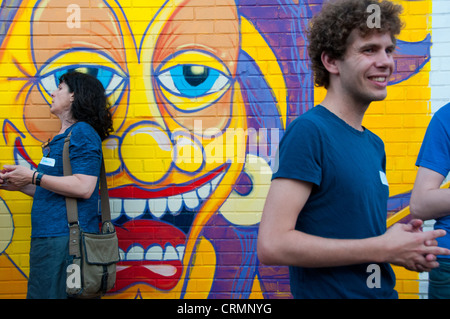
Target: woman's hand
<point x="16" y="176"/>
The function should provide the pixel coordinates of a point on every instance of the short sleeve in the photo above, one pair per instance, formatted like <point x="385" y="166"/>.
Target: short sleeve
<point x="299" y="155"/>
<point x="434" y="153"/>
<point x="85" y="150"/>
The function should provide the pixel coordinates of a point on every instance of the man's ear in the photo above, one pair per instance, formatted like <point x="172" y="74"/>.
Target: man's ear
<point x="329" y="63"/>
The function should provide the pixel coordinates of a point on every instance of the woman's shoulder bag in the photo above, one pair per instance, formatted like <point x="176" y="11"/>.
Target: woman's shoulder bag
<point x="93" y="271"/>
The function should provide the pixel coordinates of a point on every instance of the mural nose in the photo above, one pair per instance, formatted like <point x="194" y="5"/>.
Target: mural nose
<point x="146" y="151"/>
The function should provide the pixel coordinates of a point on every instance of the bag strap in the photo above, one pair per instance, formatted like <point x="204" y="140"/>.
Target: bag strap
<point x="71" y="203"/>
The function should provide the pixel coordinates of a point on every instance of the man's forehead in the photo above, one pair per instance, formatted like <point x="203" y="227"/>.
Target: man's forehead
<point x="357" y="38"/>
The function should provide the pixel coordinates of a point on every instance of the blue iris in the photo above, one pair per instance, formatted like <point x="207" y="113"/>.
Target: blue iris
<point x="194" y="80"/>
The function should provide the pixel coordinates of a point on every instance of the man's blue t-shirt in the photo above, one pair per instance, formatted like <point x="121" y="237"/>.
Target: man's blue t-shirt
<point x="434" y="154"/>
<point x="49" y="214"/>
<point x="348" y="199"/>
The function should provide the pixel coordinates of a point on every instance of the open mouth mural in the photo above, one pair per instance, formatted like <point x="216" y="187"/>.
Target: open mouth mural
<point x="153" y="228"/>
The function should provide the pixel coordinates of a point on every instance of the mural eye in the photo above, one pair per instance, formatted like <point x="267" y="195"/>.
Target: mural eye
<point x="109" y="78"/>
<point x="193" y="80"/>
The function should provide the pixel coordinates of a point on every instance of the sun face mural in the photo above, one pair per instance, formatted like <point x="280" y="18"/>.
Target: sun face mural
<point x="200" y="97"/>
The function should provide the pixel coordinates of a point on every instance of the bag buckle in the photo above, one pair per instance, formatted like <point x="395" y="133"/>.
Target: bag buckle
<point x="70" y="224"/>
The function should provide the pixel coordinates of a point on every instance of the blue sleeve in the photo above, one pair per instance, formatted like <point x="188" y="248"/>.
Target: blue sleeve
<point x="300" y="153"/>
<point x="85" y="150"/>
<point x="435" y="150"/>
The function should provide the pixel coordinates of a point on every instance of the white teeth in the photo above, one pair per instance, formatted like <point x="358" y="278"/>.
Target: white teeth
<point x="180" y="250"/>
<point x="191" y="200"/>
<point x="204" y="191"/>
<point x="135" y="207"/>
<point x="158" y="207"/>
<point x="135" y="253"/>
<point x="153" y="253"/>
<point x="175" y="203"/>
<point x="379" y="79"/>
<point x="170" y="253"/>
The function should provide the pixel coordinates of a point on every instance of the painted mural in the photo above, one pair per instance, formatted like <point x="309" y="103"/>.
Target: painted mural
<point x="201" y="95"/>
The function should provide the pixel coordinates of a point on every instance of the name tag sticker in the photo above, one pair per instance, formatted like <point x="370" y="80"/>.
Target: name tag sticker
<point x="47" y="161"/>
<point x="383" y="178"/>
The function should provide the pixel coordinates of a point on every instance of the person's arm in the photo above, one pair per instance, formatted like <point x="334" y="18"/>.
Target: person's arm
<point x="280" y="243"/>
<point x="77" y="185"/>
<point x="428" y="200"/>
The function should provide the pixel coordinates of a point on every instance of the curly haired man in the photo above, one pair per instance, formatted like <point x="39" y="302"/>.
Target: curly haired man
<point x="325" y="213"/>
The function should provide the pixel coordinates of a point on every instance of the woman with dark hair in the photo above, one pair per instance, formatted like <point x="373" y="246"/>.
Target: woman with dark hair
<point x="80" y="104"/>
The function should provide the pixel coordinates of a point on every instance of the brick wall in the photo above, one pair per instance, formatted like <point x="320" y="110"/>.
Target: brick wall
<point x="186" y="207"/>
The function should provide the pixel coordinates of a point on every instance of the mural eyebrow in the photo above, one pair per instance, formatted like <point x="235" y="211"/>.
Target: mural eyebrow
<point x="114" y="52"/>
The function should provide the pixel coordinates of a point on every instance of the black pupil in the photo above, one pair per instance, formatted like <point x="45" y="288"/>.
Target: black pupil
<point x="195" y="75"/>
